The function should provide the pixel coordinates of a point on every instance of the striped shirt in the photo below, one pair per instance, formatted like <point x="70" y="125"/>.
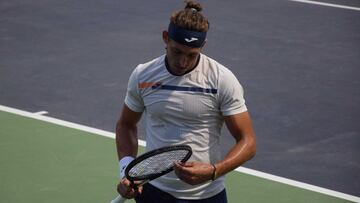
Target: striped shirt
<point x="186" y="109"/>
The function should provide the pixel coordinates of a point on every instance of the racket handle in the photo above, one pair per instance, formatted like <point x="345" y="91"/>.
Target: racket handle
<point x="118" y="199"/>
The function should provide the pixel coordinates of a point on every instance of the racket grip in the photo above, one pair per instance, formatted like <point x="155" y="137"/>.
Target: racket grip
<point x="118" y="199"/>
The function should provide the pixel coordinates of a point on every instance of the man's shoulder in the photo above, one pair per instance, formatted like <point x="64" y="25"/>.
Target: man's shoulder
<point x="151" y="69"/>
<point x="159" y="61"/>
<point x="213" y="65"/>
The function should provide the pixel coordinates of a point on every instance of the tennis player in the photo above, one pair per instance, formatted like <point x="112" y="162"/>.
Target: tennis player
<point x="186" y="98"/>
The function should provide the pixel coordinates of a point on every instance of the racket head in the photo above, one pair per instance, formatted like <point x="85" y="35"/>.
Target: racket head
<point x="156" y="163"/>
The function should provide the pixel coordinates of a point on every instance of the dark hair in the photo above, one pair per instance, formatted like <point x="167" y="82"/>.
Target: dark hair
<point x="191" y="17"/>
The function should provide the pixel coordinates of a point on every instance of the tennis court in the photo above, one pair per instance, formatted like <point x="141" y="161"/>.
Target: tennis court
<point x="42" y="160"/>
<point x="298" y="61"/>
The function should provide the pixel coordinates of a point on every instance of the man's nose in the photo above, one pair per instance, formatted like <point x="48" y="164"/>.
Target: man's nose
<point x="184" y="62"/>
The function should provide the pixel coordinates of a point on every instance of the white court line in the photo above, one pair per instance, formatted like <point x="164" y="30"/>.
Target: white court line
<point x="61" y="122"/>
<point x="328" y="4"/>
<point x="41" y="113"/>
<point x="299" y="184"/>
<point x="143" y="143"/>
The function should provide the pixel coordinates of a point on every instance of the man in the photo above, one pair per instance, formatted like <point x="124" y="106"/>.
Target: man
<point x="186" y="97"/>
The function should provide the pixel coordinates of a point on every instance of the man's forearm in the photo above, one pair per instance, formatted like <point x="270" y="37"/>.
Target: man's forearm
<point x="126" y="140"/>
<point x="243" y="151"/>
<point x="241" y="129"/>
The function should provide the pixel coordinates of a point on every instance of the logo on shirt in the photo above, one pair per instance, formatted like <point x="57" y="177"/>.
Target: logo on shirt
<point x="191" y="40"/>
<point x="148" y="84"/>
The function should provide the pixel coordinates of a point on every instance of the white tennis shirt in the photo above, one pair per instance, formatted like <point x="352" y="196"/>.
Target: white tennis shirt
<point x="186" y="109"/>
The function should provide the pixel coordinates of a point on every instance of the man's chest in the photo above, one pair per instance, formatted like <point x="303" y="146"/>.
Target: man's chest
<point x="183" y="102"/>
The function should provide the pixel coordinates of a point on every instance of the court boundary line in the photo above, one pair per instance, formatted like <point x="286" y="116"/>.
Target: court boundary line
<point x="327" y="4"/>
<point x="240" y="169"/>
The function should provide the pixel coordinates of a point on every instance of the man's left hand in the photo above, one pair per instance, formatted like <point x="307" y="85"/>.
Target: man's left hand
<point x="194" y="173"/>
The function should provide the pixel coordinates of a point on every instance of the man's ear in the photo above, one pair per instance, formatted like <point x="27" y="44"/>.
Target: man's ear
<point x="165" y="36"/>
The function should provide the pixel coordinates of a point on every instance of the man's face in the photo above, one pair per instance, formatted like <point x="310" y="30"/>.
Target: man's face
<point x="181" y="58"/>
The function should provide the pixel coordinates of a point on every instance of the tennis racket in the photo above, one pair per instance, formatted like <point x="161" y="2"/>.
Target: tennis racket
<point x="154" y="164"/>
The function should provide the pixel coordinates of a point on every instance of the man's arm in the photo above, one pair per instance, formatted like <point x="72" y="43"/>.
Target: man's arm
<point x="241" y="129"/>
<point x="127" y="145"/>
<point x="126" y="133"/>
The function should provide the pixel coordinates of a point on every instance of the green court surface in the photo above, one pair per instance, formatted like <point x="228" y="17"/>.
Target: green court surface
<point x="44" y="162"/>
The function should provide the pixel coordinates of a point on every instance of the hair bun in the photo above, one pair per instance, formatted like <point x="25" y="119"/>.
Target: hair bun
<point x="193" y="5"/>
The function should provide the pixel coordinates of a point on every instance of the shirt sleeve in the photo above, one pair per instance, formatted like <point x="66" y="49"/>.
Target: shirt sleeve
<point x="231" y="94"/>
<point x="133" y="97"/>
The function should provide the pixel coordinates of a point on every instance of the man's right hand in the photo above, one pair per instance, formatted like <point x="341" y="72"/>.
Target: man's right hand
<point x="127" y="190"/>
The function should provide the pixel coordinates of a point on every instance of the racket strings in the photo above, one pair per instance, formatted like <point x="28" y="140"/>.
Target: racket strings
<point x="158" y="163"/>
